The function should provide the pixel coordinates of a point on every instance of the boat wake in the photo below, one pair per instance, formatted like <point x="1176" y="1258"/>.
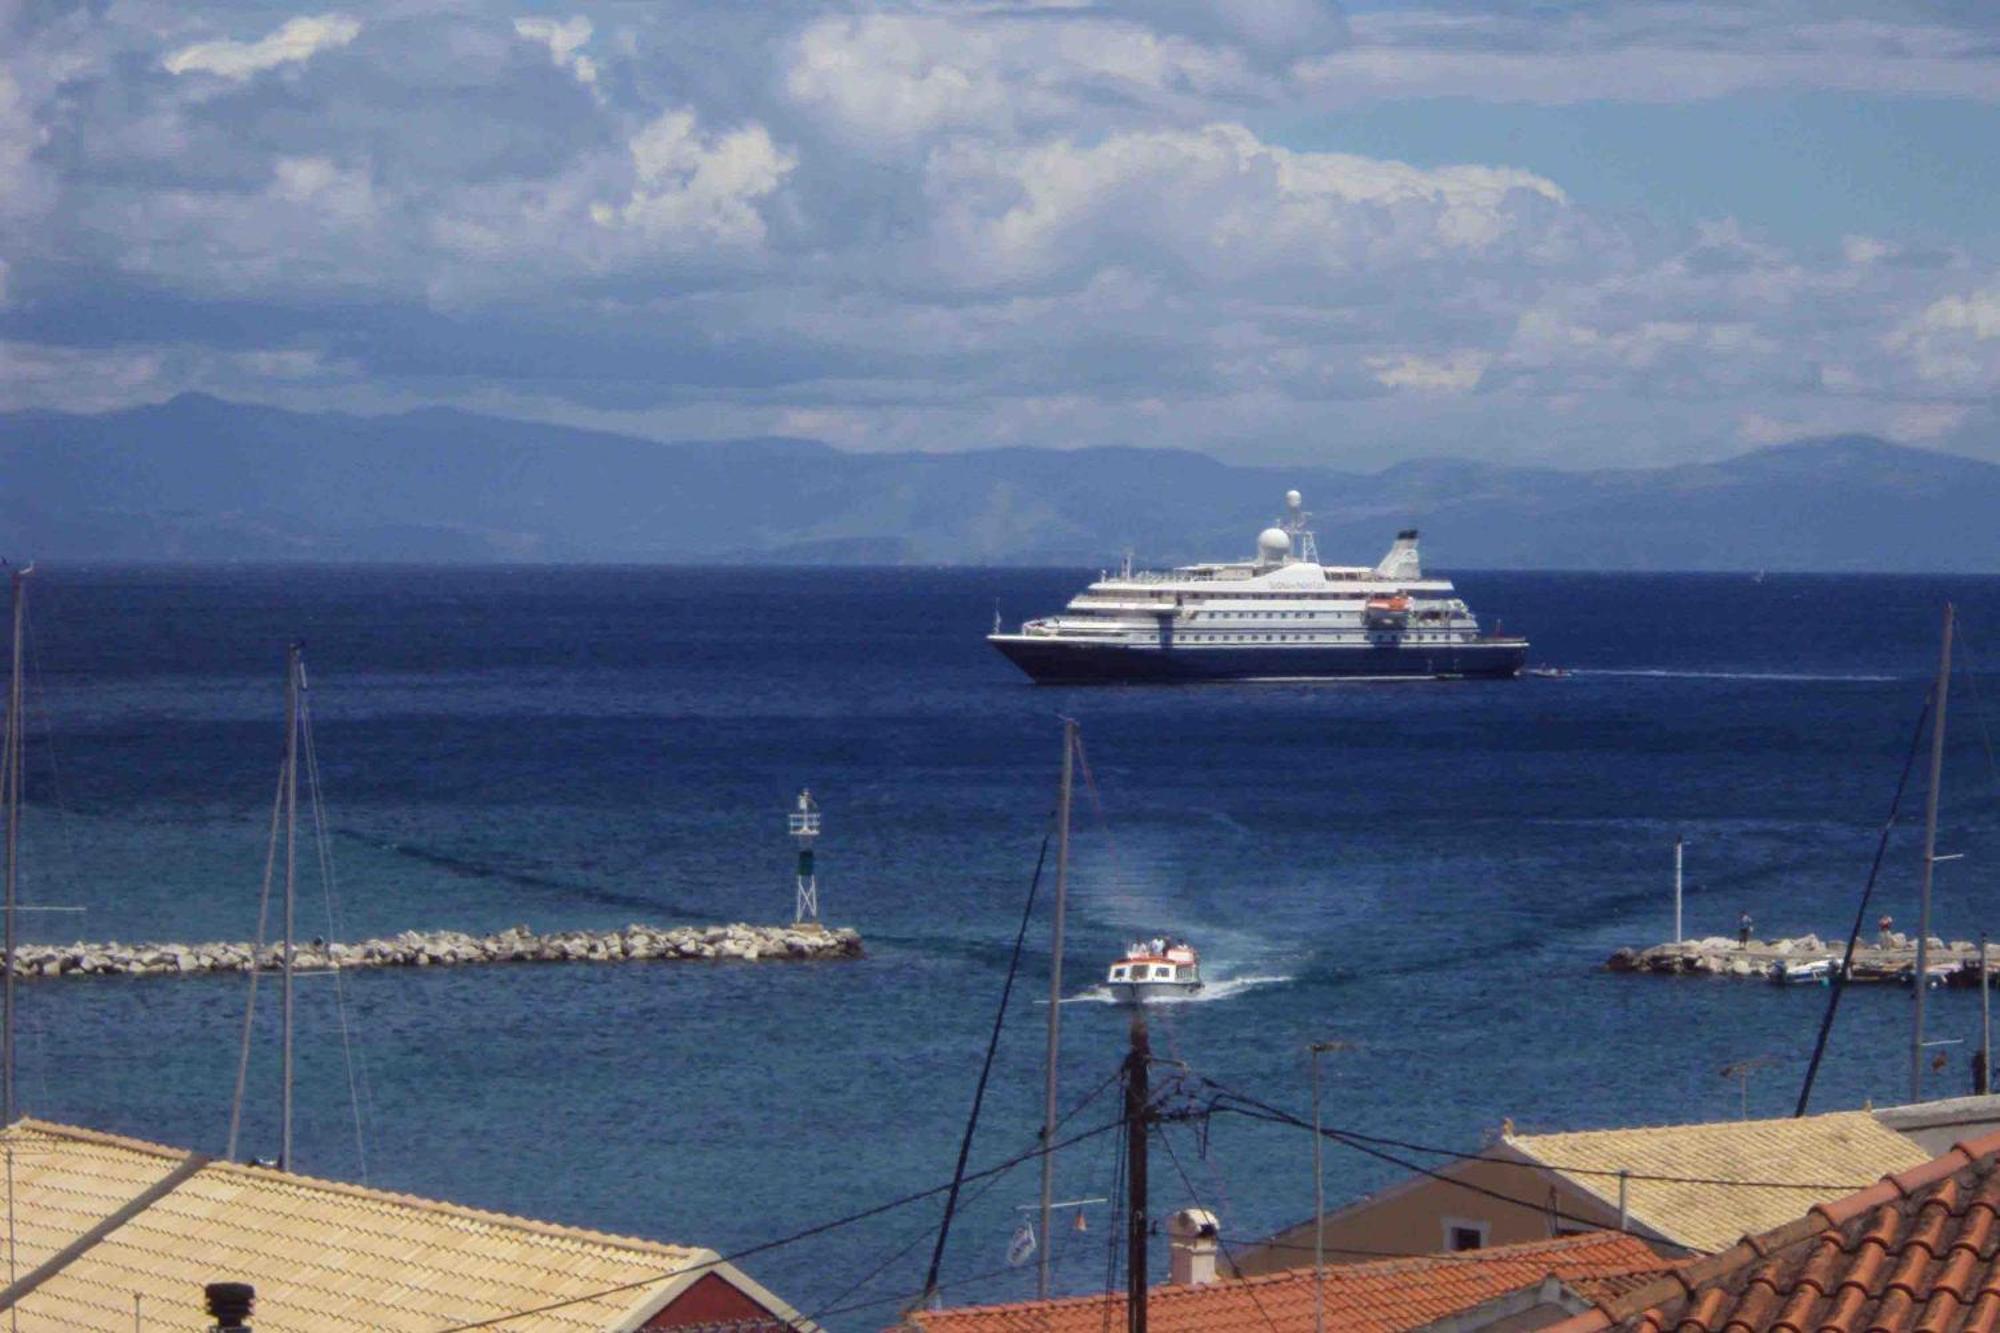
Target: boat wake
<point x="1792" y="677"/>
<point x="1225" y="989"/>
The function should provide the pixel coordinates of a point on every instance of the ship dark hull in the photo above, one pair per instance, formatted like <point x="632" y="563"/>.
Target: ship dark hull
<point x="1051" y="661"/>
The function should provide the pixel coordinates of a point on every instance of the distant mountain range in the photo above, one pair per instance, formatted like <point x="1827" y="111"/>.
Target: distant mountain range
<point x="198" y="479"/>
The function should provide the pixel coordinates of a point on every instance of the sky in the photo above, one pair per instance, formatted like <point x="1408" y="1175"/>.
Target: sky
<point x="1563" y="234"/>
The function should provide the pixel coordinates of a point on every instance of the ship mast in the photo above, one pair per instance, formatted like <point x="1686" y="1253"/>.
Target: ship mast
<point x="294" y="672"/>
<point x="1297" y="525"/>
<point x="1055" y="1003"/>
<point x="1921" y="979"/>
<point x="10" y="778"/>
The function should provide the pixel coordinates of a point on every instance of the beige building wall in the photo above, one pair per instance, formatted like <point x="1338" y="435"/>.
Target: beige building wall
<point x="1428" y="1215"/>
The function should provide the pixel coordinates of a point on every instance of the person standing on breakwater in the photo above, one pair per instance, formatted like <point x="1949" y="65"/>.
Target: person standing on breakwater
<point x="1743" y="924"/>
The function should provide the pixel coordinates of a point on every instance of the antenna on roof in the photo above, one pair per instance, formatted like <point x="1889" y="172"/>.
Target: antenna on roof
<point x="1741" y="1070"/>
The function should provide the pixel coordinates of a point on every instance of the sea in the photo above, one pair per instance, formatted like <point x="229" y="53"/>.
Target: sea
<point x="1431" y="874"/>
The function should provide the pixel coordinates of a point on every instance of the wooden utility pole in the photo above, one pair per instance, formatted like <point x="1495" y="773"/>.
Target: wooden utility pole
<point x="1138" y="1120"/>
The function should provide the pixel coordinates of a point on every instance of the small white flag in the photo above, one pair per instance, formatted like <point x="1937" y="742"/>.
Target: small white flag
<point x="1022" y="1247"/>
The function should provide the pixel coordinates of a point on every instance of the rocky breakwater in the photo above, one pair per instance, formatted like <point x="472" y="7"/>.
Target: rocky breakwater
<point x="1889" y="956"/>
<point x="450" y="948"/>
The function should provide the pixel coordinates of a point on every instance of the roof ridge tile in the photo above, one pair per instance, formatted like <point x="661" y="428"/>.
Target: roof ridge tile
<point x="1917" y="1178"/>
<point x="1839" y="1212"/>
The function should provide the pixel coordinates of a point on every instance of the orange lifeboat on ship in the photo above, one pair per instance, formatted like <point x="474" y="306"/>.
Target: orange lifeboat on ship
<point x="1387" y="612"/>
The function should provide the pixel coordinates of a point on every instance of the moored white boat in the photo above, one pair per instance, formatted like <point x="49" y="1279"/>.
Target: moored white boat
<point x="1803" y="971"/>
<point x="1154" y="969"/>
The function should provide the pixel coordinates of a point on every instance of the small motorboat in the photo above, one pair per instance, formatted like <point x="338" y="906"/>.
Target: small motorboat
<point x="1154" y="969"/>
<point x="1547" y="672"/>
<point x="1803" y="972"/>
<point x="1935" y="974"/>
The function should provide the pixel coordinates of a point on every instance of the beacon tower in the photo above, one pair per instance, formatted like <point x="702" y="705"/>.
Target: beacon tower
<point x="804" y="822"/>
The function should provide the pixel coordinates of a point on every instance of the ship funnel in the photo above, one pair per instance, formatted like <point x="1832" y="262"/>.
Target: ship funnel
<point x="1402" y="563"/>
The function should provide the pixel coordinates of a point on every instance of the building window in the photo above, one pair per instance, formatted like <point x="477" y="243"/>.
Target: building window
<point x="1461" y="1235"/>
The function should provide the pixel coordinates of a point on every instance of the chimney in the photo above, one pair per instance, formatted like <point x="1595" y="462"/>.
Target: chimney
<point x="1191" y="1236"/>
<point x="229" y="1305"/>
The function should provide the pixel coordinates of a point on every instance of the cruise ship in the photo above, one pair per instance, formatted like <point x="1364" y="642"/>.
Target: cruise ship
<point x="1280" y="616"/>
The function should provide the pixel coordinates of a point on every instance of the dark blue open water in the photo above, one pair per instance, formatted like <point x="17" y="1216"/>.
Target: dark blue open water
<point x="1433" y="872"/>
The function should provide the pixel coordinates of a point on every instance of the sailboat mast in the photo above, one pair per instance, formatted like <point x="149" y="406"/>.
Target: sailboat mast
<point x="1922" y="977"/>
<point x="292" y="671"/>
<point x="1055" y="1002"/>
<point x="10" y="778"/>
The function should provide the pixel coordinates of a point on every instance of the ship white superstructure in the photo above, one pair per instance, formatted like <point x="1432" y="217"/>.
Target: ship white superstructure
<point x="1280" y="614"/>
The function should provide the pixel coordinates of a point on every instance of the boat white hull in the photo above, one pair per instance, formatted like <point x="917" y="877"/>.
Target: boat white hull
<point x="1140" y="992"/>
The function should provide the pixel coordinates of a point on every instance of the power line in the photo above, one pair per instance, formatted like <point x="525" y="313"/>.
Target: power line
<point x="807" y="1234"/>
<point x="984" y="1189"/>
<point x="1195" y="1194"/>
<point x="1434" y="1174"/>
<point x="1356" y="1138"/>
<point x="986" y="1276"/>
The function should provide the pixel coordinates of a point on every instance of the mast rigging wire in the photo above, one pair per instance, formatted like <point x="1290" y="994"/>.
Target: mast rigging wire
<point x="256" y="961"/>
<point x="985" y="1071"/>
<point x="323" y="844"/>
<point x="1838" y="984"/>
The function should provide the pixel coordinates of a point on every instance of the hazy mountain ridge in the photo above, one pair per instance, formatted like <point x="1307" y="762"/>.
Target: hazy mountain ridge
<point x="198" y="479"/>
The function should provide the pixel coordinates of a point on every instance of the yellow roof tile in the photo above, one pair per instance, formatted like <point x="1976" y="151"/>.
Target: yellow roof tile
<point x="1816" y="1158"/>
<point x="322" y="1255"/>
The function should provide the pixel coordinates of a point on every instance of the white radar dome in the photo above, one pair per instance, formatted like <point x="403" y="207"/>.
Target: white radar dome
<point x="1273" y="543"/>
<point x="1293" y="499"/>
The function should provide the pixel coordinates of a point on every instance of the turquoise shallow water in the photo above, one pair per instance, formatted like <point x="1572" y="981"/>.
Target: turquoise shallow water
<point x="1432" y="872"/>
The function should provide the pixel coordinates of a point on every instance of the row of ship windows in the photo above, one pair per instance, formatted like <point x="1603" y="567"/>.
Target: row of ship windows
<point x="1288" y="595"/>
<point x="1274" y="638"/>
<point x="1290" y="615"/>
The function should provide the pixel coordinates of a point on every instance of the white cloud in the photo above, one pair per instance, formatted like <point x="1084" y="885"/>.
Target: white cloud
<point x="1455" y="372"/>
<point x="1217" y="202"/>
<point x="344" y="197"/>
<point x="20" y="136"/>
<point x="1918" y="423"/>
<point x="1954" y="342"/>
<point x="948" y="223"/>
<point x="565" y="40"/>
<point x="298" y="40"/>
<point x="71" y="379"/>
<point x="1864" y="249"/>
<point x="691" y="188"/>
<point x="1644" y="52"/>
<point x="895" y="77"/>
<point x="1975" y="315"/>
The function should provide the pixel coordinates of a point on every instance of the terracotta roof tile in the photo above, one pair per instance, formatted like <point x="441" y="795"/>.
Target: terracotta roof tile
<point x="1383" y="1297"/>
<point x="1919" y="1251"/>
